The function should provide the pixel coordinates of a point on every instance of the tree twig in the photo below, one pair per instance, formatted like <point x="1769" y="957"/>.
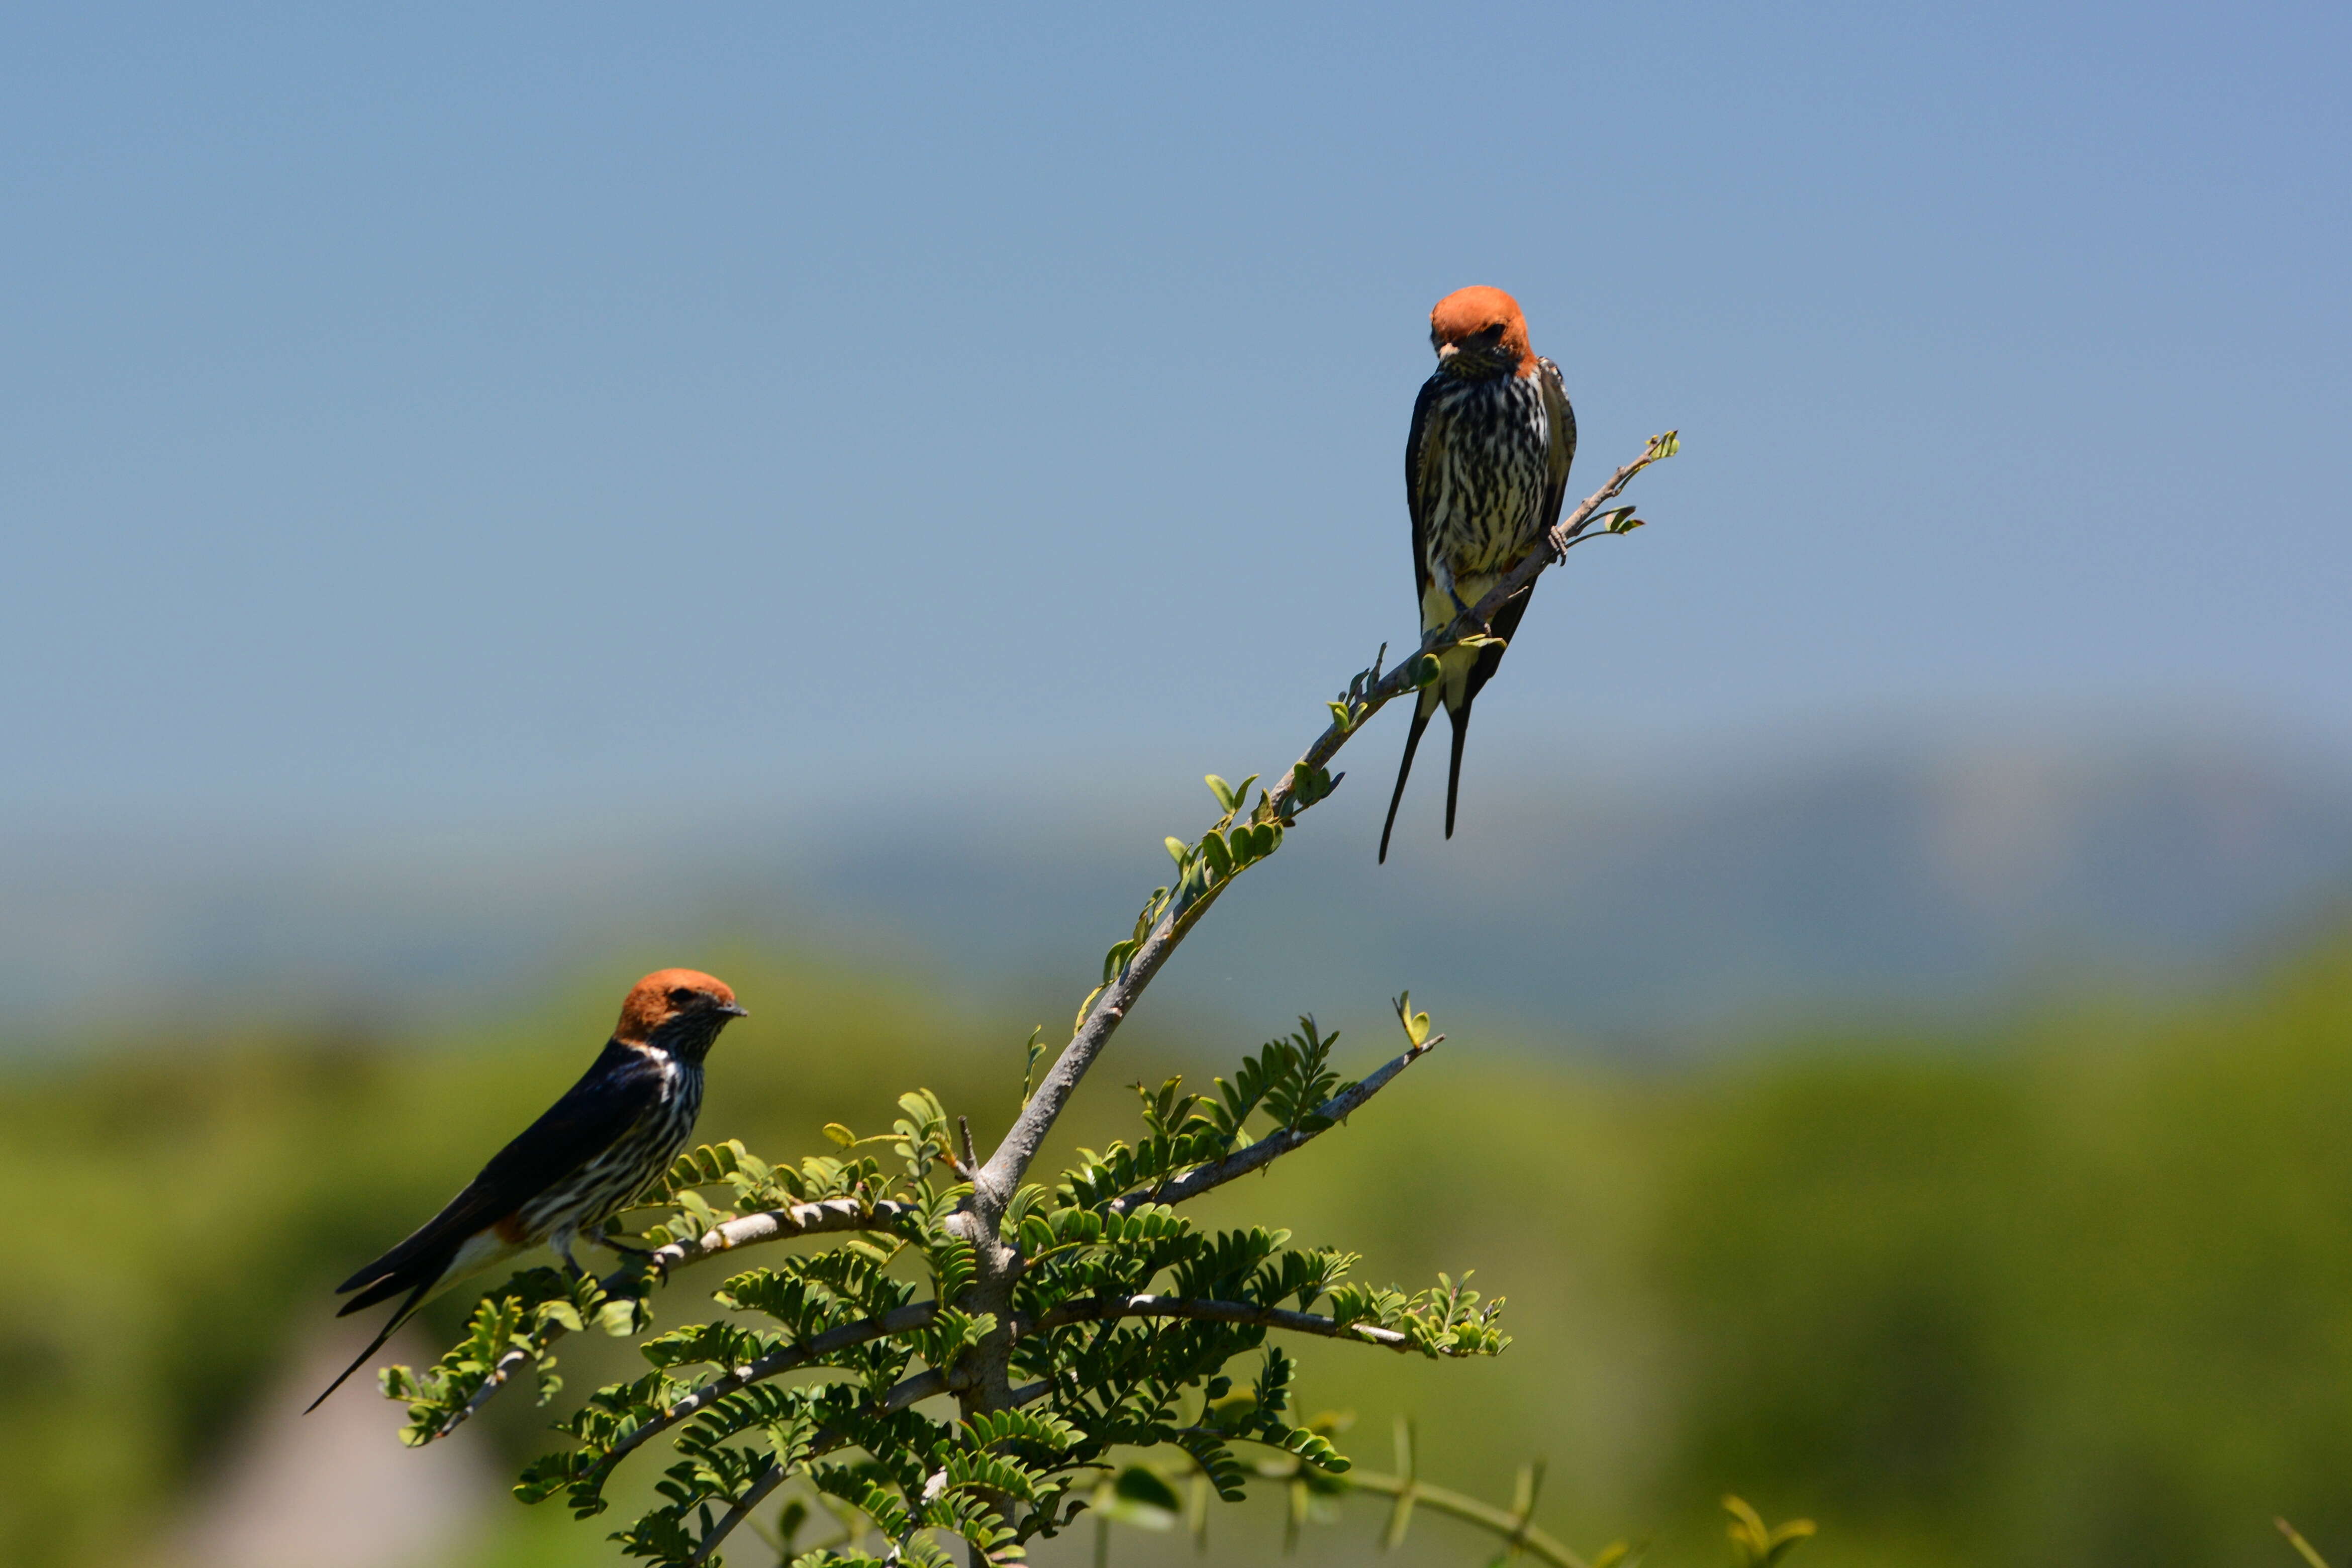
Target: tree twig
<point x="995" y="1182"/>
<point x="1515" y="1525"/>
<point x="755" y="1494"/>
<point x="779" y="1224"/>
<point x="1511" y="1526"/>
<point x="1273" y="1146"/>
<point x="1214" y="1312"/>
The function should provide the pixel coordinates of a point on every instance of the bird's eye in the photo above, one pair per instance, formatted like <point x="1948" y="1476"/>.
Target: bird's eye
<point x="680" y="996"/>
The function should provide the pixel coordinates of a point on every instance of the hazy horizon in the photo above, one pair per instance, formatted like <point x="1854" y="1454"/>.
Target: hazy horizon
<point x="1639" y="902"/>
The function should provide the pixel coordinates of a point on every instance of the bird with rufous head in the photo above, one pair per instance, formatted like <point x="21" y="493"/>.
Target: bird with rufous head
<point x="610" y="1137"/>
<point x="1485" y="470"/>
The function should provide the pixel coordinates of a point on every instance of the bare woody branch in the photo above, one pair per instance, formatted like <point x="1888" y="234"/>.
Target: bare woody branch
<point x="755" y="1494"/>
<point x="994" y="1182"/>
<point x="1273" y="1146"/>
<point x="777" y="1225"/>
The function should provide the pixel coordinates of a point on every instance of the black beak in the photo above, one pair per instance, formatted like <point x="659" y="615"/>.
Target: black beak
<point x="730" y="1010"/>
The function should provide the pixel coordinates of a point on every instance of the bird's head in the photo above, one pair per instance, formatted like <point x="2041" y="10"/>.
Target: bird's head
<point x="679" y="1011"/>
<point x="1479" y="332"/>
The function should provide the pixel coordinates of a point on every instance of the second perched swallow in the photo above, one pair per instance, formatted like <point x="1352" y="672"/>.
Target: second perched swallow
<point x="1485" y="470"/>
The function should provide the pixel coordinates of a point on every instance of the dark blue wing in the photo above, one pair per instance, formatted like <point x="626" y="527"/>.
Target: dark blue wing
<point x="594" y="1114"/>
<point x="1414" y="505"/>
<point x="1561" y="457"/>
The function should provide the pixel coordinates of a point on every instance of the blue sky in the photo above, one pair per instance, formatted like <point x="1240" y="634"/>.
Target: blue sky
<point x="442" y="411"/>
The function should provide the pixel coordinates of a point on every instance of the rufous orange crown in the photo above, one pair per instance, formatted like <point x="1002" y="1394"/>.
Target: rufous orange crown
<point x="1467" y="312"/>
<point x="650" y="1004"/>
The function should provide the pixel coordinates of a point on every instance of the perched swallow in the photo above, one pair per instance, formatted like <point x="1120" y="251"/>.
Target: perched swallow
<point x="610" y="1137"/>
<point x="1485" y="470"/>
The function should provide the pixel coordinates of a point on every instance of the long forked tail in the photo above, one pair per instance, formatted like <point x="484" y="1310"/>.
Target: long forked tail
<point x="1461" y="717"/>
<point x="399" y="1315"/>
<point x="1404" y="768"/>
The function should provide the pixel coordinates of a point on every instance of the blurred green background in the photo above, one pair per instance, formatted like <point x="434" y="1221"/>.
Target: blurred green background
<point x="2071" y="1286"/>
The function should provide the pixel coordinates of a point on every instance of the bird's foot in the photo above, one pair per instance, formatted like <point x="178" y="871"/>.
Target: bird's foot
<point x="1557" y="540"/>
<point x="623" y="1249"/>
